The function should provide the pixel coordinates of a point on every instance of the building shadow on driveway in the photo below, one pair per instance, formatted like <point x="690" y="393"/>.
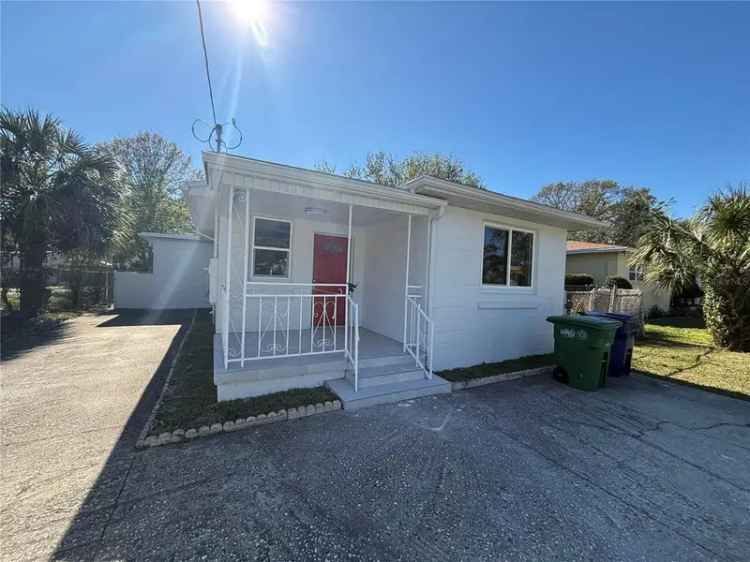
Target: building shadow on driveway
<point x="137" y="317"/>
<point x="82" y="538"/>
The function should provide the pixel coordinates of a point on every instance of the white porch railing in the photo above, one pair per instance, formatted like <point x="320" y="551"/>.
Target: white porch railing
<point x="295" y="319"/>
<point x="352" y="341"/>
<point x="420" y="332"/>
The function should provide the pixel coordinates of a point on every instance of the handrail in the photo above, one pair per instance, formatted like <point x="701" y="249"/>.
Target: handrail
<point x="352" y="350"/>
<point x="420" y="335"/>
<point x="274" y="283"/>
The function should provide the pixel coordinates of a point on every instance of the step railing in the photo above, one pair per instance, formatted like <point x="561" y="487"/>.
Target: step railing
<point x="352" y="340"/>
<point x="420" y="334"/>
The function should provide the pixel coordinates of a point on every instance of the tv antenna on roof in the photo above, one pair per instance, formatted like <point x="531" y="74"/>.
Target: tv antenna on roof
<point x="215" y="137"/>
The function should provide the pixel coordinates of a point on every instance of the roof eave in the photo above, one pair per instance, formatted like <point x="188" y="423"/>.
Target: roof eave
<point x="572" y="221"/>
<point x="272" y="170"/>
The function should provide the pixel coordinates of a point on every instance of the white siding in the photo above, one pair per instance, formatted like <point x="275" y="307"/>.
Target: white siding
<point x="475" y="324"/>
<point x="179" y="278"/>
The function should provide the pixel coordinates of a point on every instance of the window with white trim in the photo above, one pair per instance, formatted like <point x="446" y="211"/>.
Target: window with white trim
<point x="508" y="257"/>
<point x="272" y="240"/>
<point x="635" y="273"/>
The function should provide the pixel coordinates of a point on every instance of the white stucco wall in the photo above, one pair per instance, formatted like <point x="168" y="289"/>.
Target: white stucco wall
<point x="385" y="266"/>
<point x="475" y="324"/>
<point x="179" y="278"/>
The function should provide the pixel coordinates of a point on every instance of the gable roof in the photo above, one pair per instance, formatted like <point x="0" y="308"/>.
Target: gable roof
<point x="577" y="247"/>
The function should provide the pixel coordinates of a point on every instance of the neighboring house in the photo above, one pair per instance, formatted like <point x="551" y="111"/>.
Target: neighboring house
<point x="608" y="260"/>
<point x="320" y="278"/>
<point x="178" y="277"/>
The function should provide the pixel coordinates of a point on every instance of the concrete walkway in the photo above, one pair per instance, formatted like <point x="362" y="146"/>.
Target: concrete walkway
<point x="524" y="470"/>
<point x="70" y="410"/>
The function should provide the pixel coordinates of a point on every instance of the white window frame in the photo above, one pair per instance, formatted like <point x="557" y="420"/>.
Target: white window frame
<point x="508" y="286"/>
<point x="253" y="247"/>
<point x="637" y="272"/>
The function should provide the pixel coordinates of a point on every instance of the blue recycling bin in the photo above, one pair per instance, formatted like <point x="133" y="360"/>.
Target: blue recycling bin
<point x="621" y="353"/>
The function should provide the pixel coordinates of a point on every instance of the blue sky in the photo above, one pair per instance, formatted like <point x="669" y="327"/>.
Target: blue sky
<point x="656" y="95"/>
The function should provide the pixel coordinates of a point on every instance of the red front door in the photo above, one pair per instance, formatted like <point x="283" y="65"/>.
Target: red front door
<point x="329" y="266"/>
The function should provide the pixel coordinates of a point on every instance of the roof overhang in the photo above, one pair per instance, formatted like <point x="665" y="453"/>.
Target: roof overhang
<point x="173" y="236"/>
<point x="224" y="171"/>
<point x="497" y="203"/>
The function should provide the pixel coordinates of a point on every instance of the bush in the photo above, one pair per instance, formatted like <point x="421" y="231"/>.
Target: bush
<point x="619" y="282"/>
<point x="655" y="312"/>
<point x="727" y="315"/>
<point x="578" y="280"/>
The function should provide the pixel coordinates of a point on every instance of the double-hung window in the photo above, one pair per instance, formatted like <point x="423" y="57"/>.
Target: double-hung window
<point x="272" y="243"/>
<point x="507" y="256"/>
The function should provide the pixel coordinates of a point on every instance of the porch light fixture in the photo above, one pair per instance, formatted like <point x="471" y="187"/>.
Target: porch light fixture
<point x="315" y="211"/>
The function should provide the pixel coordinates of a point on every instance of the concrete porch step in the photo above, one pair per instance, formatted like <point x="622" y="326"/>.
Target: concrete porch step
<point x="387" y="393"/>
<point x="399" y="358"/>
<point x="388" y="374"/>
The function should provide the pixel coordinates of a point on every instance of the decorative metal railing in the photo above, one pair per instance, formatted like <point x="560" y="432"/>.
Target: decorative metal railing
<point x="294" y="319"/>
<point x="420" y="331"/>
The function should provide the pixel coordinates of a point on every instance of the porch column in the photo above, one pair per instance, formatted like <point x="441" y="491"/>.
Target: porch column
<point x="227" y="278"/>
<point x="348" y="280"/>
<point x="406" y="282"/>
<point x="244" y="276"/>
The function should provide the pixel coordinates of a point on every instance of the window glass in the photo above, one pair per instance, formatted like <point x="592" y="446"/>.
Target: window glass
<point x="272" y="234"/>
<point x="271" y="262"/>
<point x="522" y="248"/>
<point x="495" y="262"/>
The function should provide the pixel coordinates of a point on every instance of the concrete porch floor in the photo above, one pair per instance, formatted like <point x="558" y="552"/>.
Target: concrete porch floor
<point x="371" y="344"/>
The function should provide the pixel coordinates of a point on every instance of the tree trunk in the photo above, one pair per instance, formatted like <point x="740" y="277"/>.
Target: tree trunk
<point x="33" y="280"/>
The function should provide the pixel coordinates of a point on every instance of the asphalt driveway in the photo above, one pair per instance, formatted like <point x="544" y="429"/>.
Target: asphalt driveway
<point x="70" y="407"/>
<point x="524" y="470"/>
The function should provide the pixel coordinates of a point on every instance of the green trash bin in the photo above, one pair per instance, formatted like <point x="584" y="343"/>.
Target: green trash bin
<point x="582" y="348"/>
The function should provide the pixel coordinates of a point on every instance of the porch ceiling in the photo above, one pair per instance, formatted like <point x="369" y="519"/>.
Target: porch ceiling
<point x="279" y="205"/>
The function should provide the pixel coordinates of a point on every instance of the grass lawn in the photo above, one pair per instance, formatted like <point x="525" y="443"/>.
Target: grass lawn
<point x="190" y="398"/>
<point x="681" y="349"/>
<point x="491" y="369"/>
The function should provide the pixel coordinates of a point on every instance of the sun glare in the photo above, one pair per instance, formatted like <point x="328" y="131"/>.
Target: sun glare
<point x="254" y="14"/>
<point x="251" y="11"/>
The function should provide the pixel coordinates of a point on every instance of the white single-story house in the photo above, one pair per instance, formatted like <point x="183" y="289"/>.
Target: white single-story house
<point x="317" y="278"/>
<point x="609" y="260"/>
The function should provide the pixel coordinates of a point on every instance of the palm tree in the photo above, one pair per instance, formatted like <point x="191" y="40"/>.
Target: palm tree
<point x="58" y="195"/>
<point x="713" y="247"/>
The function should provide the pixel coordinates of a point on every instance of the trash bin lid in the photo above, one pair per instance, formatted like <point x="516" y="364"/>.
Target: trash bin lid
<point x="584" y="321"/>
<point x="624" y="318"/>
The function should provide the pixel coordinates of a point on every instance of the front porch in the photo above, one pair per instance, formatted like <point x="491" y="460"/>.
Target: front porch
<point x="387" y="373"/>
<point x="317" y="278"/>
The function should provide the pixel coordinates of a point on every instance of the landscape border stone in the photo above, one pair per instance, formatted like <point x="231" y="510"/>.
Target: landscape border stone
<point x="462" y="385"/>
<point x="192" y="433"/>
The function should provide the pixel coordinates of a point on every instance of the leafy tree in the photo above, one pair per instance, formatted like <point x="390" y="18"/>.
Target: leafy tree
<point x="713" y="247"/>
<point x="58" y="195"/>
<point x="152" y="171"/>
<point x="628" y="209"/>
<point x="381" y="167"/>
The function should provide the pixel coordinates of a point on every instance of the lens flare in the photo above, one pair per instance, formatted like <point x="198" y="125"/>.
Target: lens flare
<point x="254" y="14"/>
